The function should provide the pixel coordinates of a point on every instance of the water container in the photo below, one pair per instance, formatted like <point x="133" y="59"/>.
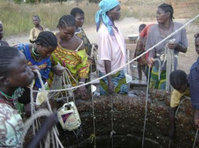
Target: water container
<point x="68" y="116"/>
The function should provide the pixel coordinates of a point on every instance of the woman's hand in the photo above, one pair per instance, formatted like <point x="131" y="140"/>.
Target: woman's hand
<point x="34" y="68"/>
<point x="58" y="70"/>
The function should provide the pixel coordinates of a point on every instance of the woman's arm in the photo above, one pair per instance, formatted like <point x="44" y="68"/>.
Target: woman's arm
<point x="107" y="65"/>
<point x="182" y="45"/>
<point x="150" y="43"/>
<point x="46" y="127"/>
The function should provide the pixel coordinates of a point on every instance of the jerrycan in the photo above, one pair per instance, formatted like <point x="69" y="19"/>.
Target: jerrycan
<point x="68" y="116"/>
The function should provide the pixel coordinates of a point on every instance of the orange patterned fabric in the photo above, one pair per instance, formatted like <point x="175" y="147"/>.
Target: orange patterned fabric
<point x="75" y="61"/>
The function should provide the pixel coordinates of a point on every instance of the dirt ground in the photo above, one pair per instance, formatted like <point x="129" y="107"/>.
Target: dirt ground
<point x="129" y="26"/>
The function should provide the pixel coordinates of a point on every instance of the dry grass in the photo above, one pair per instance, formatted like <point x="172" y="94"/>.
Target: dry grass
<point x="17" y="18"/>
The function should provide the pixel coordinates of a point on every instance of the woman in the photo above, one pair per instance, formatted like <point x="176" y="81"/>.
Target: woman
<point x="164" y="58"/>
<point x="111" y="51"/>
<point x="15" y="74"/>
<point x="39" y="53"/>
<point x="71" y="54"/>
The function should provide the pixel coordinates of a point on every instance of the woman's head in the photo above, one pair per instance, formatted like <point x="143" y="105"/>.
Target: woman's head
<point x="114" y="14"/>
<point x="36" y="20"/>
<point x="178" y="80"/>
<point x="66" y="27"/>
<point x="109" y="12"/>
<point x="196" y="36"/>
<point x="164" y="13"/>
<point x="78" y="14"/>
<point x="14" y="70"/>
<point x="46" y="43"/>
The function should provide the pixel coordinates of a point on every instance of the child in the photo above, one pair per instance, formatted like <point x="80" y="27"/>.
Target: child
<point x="181" y="85"/>
<point x="194" y="84"/>
<point x="141" y="66"/>
<point x="39" y="54"/>
<point x="179" y="81"/>
<point x="2" y="43"/>
<point x="36" y="29"/>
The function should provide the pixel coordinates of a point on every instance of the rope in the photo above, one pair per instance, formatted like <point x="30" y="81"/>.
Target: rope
<point x="196" y="136"/>
<point x="112" y="123"/>
<point x="146" y="108"/>
<point x="49" y="107"/>
<point x="53" y="139"/>
<point x="170" y="64"/>
<point x="32" y="105"/>
<point x="114" y="71"/>
<point x="30" y="121"/>
<point x="93" y="105"/>
<point x="180" y="105"/>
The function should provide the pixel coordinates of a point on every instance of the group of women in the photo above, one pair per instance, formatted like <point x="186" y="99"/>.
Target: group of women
<point x="70" y="50"/>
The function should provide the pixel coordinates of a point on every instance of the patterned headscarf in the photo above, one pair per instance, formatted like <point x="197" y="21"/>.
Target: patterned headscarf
<point x="105" y="6"/>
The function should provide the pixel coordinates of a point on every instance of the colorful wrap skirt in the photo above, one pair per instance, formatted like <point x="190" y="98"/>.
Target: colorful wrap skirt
<point x="119" y="81"/>
<point x="158" y="81"/>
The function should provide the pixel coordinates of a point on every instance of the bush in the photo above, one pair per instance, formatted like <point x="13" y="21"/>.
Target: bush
<point x="18" y="1"/>
<point x="30" y="1"/>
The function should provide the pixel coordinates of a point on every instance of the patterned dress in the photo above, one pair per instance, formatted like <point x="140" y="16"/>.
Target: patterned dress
<point x="112" y="48"/>
<point x="11" y="126"/>
<point x="159" y="74"/>
<point x="82" y="35"/>
<point x="74" y="60"/>
<point x="44" y="65"/>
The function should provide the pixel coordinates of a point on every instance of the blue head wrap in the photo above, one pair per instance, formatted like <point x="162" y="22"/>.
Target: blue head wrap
<point x="105" y="6"/>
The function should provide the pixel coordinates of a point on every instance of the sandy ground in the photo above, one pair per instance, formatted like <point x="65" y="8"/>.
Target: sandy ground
<point x="129" y="26"/>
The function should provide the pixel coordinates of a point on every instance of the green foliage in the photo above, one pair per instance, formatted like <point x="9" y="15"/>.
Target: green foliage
<point x="30" y="1"/>
<point x="17" y="18"/>
<point x="18" y="1"/>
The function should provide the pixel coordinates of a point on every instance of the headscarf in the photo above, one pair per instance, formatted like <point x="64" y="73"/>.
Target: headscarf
<point x="105" y="6"/>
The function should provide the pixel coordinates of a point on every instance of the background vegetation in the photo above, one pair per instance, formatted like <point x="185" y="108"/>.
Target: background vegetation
<point x="17" y="17"/>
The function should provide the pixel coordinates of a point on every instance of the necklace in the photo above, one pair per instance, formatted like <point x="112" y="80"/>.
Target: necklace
<point x="35" y="55"/>
<point x="17" y="93"/>
<point x="33" y="51"/>
<point x="9" y="98"/>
